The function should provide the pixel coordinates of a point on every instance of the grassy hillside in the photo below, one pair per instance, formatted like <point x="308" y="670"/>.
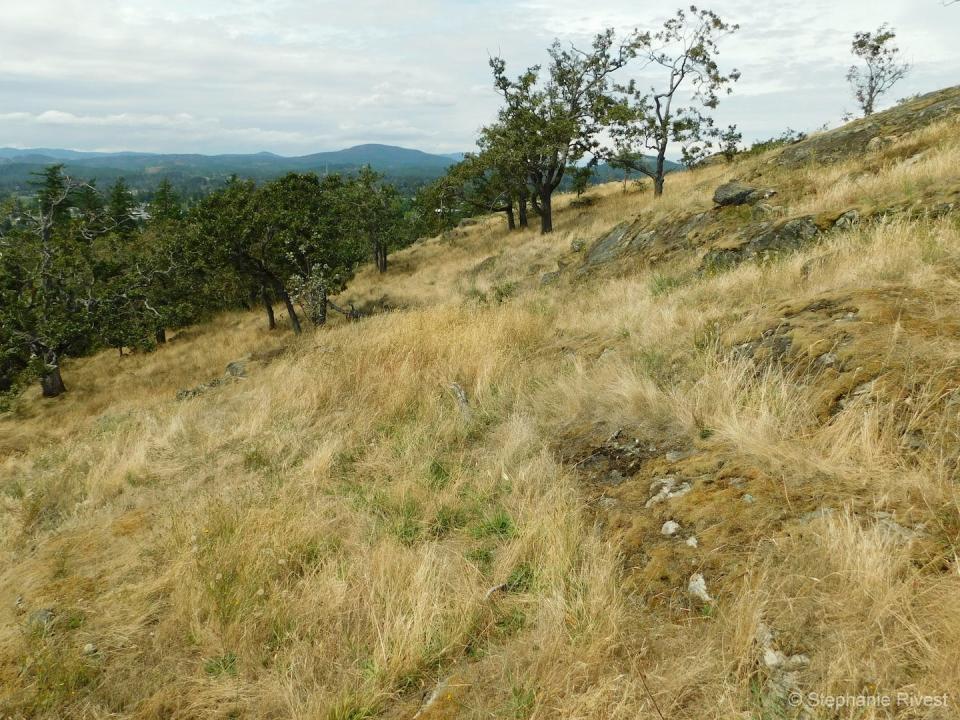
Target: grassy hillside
<point x="671" y="455"/>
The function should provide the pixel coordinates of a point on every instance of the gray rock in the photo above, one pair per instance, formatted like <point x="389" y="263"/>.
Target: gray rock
<point x="670" y="528"/>
<point x="733" y="193"/>
<point x="666" y="488"/>
<point x="89" y="649"/>
<point x="849" y="219"/>
<point x="677" y="455"/>
<point x="749" y="499"/>
<point x="828" y="359"/>
<point x="550" y="277"/>
<point x="615" y="477"/>
<point x="691" y="541"/>
<point x="609" y="246"/>
<point x="880" y="142"/>
<point x="762" y="211"/>
<point x="764" y="241"/>
<point x="238" y="368"/>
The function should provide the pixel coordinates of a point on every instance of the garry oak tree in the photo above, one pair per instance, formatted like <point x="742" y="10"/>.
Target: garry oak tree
<point x="880" y="69"/>
<point x="649" y="120"/>
<point x="551" y="118"/>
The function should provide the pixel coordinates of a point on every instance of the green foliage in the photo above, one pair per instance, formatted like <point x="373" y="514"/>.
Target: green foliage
<point x="552" y="118"/>
<point x="685" y="48"/>
<point x="787" y="137"/>
<point x="730" y="140"/>
<point x="222" y="665"/>
<point x="880" y="69"/>
<point x="498" y="524"/>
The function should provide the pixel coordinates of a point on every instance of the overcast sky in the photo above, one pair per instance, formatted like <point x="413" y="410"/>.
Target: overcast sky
<point x="301" y="76"/>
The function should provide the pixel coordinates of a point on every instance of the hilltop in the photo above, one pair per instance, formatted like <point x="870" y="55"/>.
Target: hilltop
<point x="679" y="453"/>
<point x="196" y="172"/>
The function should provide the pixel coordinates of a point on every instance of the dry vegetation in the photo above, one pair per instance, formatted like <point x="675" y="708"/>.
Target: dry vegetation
<point x="320" y="539"/>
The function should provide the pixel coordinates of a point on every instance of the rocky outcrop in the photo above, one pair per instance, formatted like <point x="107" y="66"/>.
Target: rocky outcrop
<point x="875" y="133"/>
<point x="736" y="193"/>
<point x="763" y="240"/>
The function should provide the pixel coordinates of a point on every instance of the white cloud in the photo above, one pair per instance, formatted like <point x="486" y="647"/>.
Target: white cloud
<point x="299" y="76"/>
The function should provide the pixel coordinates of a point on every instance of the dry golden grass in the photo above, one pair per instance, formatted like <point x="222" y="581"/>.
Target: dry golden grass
<point x="320" y="539"/>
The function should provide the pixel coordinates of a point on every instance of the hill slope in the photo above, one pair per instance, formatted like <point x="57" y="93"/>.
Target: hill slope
<point x="703" y="456"/>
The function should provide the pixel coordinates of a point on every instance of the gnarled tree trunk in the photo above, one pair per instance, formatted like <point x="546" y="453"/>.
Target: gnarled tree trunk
<point x="380" y="256"/>
<point x="522" y="211"/>
<point x="546" y="210"/>
<point x="268" y="306"/>
<point x="294" y="320"/>
<point x="52" y="383"/>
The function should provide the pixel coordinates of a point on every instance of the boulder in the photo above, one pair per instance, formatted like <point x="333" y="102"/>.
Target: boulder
<point x="735" y="193"/>
<point x="732" y="193"/>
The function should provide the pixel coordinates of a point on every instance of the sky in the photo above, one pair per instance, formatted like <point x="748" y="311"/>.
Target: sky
<point x="301" y="76"/>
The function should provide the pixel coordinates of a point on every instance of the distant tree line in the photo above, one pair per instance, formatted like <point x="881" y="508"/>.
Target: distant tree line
<point x="80" y="271"/>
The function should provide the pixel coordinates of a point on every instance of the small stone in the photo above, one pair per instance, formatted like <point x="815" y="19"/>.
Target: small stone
<point x="828" y="359"/>
<point x="774" y="658"/>
<point x="614" y="478"/>
<point x="697" y="587"/>
<point x="670" y="528"/>
<point x="42" y="617"/>
<point x="691" y="542"/>
<point x="89" y="649"/>
<point x="749" y="499"/>
<point x="238" y="368"/>
<point x="848" y="220"/>
<point x="677" y="455"/>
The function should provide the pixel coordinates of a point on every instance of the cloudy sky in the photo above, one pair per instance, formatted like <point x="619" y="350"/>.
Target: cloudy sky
<point x="300" y="76"/>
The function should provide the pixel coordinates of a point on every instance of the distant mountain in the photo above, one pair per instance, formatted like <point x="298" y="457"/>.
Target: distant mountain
<point x="194" y="173"/>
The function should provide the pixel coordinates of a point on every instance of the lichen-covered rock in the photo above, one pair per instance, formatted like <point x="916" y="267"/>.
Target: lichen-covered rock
<point x="764" y="240"/>
<point x="608" y="247"/>
<point x="736" y="193"/>
<point x="732" y="193"/>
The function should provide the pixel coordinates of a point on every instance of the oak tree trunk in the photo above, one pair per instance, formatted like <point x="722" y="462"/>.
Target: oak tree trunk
<point x="522" y="211"/>
<point x="294" y="320"/>
<point x="161" y="335"/>
<point x="546" y="211"/>
<point x="511" y="218"/>
<point x="380" y="256"/>
<point x="268" y="306"/>
<point x="52" y="383"/>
